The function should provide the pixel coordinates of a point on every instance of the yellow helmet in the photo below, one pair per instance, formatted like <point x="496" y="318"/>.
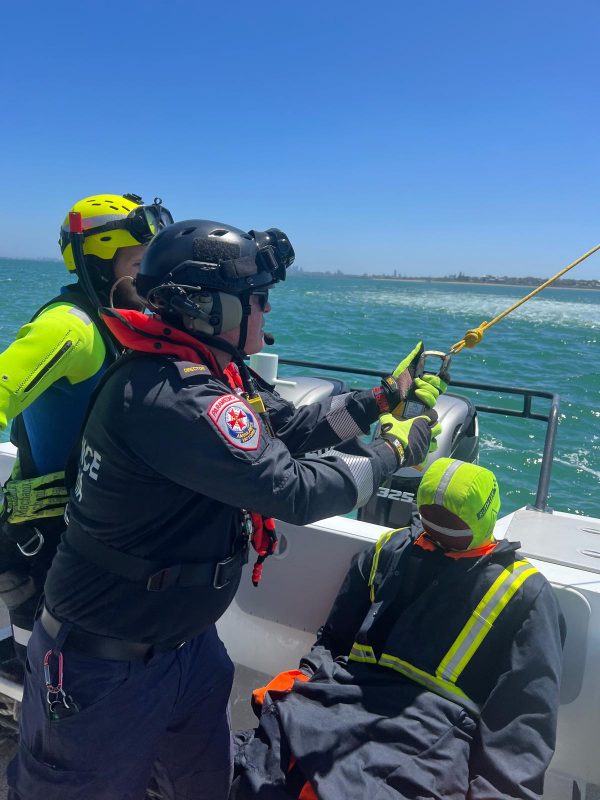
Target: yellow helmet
<point x="96" y="212"/>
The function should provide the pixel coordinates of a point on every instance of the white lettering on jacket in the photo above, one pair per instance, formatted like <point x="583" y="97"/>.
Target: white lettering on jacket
<point x="89" y="462"/>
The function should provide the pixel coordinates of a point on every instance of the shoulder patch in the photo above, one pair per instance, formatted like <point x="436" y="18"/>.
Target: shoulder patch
<point x="187" y="369"/>
<point x="235" y="421"/>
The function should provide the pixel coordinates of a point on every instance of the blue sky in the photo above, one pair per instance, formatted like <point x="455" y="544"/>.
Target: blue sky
<point x="425" y="137"/>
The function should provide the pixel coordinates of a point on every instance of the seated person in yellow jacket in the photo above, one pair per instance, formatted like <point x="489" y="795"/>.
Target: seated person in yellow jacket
<point x="435" y="676"/>
<point x="47" y="376"/>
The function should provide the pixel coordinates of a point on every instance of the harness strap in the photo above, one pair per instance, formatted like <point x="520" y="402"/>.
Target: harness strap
<point x="154" y="574"/>
<point x="20" y="439"/>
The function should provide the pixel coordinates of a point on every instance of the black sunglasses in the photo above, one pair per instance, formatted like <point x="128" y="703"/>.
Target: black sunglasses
<point x="262" y="298"/>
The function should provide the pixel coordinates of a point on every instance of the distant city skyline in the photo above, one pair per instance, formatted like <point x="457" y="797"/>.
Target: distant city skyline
<point x="499" y="280"/>
<point x="432" y="138"/>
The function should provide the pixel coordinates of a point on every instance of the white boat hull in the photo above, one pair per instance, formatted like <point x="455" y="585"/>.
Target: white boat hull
<point x="267" y="629"/>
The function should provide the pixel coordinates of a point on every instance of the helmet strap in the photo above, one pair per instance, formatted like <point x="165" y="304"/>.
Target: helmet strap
<point x="246" y="311"/>
<point x="84" y="278"/>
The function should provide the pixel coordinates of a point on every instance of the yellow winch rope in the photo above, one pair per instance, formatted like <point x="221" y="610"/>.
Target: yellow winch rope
<point x="475" y="335"/>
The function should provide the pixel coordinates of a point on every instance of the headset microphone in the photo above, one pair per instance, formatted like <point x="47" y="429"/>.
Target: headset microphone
<point x="269" y="338"/>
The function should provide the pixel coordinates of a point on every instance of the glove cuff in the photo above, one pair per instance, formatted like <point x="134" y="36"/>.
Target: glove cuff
<point x="396" y="445"/>
<point x="381" y="400"/>
<point x="391" y="391"/>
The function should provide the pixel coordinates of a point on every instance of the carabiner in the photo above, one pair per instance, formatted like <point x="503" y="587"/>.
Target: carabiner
<point x="445" y="358"/>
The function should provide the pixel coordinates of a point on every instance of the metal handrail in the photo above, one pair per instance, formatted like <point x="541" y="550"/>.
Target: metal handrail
<point x="551" y="418"/>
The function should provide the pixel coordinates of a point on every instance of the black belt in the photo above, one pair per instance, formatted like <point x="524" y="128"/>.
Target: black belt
<point x="154" y="574"/>
<point x="90" y="644"/>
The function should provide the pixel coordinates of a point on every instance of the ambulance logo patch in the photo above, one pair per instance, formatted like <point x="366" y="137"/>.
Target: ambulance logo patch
<point x="236" y="422"/>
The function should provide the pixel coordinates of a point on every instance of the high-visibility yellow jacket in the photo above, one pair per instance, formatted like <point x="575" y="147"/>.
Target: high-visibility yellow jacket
<point x="47" y="375"/>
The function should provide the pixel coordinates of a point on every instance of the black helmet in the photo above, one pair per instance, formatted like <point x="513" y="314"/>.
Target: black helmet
<point x="201" y="254"/>
<point x="191" y="270"/>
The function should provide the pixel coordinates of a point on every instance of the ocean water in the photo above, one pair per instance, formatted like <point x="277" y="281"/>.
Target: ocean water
<point x="551" y="344"/>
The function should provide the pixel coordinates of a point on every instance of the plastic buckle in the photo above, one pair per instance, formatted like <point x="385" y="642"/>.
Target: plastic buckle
<point x="163" y="579"/>
<point x="227" y="562"/>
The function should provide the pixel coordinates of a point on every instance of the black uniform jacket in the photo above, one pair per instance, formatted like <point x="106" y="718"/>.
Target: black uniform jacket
<point x="360" y="729"/>
<point x="170" y="454"/>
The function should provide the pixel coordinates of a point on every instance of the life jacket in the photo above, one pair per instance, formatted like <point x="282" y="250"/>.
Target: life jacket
<point x="34" y="503"/>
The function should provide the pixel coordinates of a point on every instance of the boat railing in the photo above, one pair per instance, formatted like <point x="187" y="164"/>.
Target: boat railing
<point x="526" y="412"/>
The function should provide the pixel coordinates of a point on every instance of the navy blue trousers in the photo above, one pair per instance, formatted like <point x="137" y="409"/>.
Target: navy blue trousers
<point x="167" y="718"/>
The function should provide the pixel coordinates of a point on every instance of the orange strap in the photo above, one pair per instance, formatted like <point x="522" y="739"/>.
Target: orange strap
<point x="425" y="543"/>
<point x="283" y="682"/>
<point x="307" y="793"/>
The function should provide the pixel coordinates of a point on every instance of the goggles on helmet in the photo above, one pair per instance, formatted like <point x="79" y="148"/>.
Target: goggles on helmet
<point x="143" y="223"/>
<point x="237" y="275"/>
<point x="275" y="252"/>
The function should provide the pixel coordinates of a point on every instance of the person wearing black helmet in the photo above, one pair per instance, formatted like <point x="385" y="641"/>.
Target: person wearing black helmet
<point x="185" y="458"/>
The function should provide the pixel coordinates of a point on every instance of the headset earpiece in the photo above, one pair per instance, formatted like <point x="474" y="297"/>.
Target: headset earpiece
<point x="216" y="312"/>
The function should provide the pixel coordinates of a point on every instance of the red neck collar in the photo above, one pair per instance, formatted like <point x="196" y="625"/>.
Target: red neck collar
<point x="149" y="334"/>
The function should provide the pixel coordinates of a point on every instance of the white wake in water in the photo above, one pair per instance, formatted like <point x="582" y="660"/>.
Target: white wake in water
<point x="574" y="460"/>
<point x="479" y="307"/>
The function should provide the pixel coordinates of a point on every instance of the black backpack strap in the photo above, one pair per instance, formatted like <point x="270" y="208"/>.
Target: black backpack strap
<point x="20" y="439"/>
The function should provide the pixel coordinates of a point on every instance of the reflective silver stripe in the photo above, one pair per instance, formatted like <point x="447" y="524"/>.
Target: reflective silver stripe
<point x="21" y="635"/>
<point x="77" y="312"/>
<point x="362" y="472"/>
<point x="95" y="222"/>
<point x="431" y="682"/>
<point x="341" y="420"/>
<point x="444" y="481"/>
<point x="481" y="620"/>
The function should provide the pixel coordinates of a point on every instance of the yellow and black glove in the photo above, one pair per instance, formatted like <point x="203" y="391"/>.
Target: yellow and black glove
<point x="411" y="439"/>
<point x="402" y="386"/>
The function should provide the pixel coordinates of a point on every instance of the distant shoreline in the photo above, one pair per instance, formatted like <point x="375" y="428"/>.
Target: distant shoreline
<point x="526" y="283"/>
<point x="480" y="283"/>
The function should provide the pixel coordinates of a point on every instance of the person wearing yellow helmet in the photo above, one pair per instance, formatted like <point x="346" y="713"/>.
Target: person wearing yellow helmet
<point x="114" y="232"/>
<point x="47" y="376"/>
<point x="436" y="674"/>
